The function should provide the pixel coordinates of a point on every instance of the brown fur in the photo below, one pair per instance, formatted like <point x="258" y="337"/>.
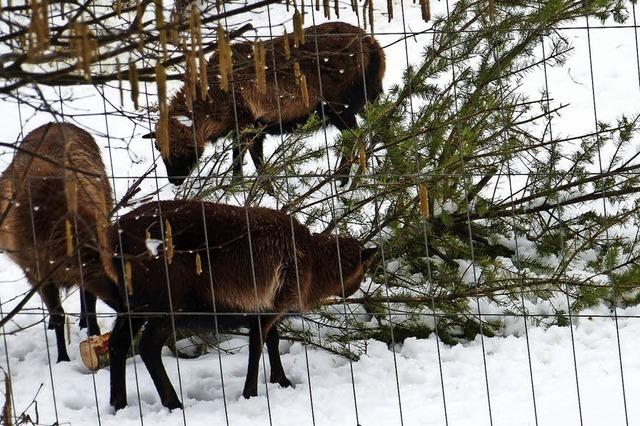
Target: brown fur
<point x="34" y="206"/>
<point x="279" y="265"/>
<point x="344" y="52"/>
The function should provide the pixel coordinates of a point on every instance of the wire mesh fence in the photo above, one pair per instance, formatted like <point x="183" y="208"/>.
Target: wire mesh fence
<point x="436" y="221"/>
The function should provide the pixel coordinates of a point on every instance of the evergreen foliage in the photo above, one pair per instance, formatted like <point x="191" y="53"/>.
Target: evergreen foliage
<point x="514" y="215"/>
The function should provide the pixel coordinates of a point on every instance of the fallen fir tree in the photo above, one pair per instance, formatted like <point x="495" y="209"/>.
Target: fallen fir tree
<point x="477" y="207"/>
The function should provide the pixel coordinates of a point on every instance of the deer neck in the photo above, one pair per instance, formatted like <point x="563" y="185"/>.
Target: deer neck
<point x="327" y="273"/>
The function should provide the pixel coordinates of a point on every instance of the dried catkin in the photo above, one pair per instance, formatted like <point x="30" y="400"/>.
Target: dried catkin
<point x="204" y="80"/>
<point x="224" y="58"/>
<point x="69" y="236"/>
<point x="128" y="278"/>
<point x="195" y="28"/>
<point x="84" y="47"/>
<point x="190" y="77"/>
<point x="298" y="31"/>
<point x="424" y="201"/>
<point x="147" y="237"/>
<point x="119" y="77"/>
<point x="174" y="36"/>
<point x="389" y="10"/>
<point x="162" y="134"/>
<point x="38" y="37"/>
<point x="168" y="241"/>
<point x="198" y="264"/>
<point x="89" y="47"/>
<point x="326" y="8"/>
<point x="304" y="89"/>
<point x="133" y="81"/>
<point x="336" y="8"/>
<point x="296" y="71"/>
<point x="102" y="226"/>
<point x="162" y="29"/>
<point x="287" y="48"/>
<point x="362" y="158"/>
<point x="425" y="8"/>
<point x="161" y="83"/>
<point x="138" y="25"/>
<point x="492" y="12"/>
<point x="259" y="61"/>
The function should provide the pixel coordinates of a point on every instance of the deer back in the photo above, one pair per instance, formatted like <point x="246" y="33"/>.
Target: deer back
<point x="37" y="183"/>
<point x="244" y="255"/>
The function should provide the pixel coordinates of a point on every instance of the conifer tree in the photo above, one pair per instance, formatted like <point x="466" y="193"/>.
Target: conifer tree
<point x="457" y="179"/>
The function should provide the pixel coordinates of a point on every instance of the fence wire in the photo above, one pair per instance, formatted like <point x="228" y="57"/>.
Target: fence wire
<point x="495" y="215"/>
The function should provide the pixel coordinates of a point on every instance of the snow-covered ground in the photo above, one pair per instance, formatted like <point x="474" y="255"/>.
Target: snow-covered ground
<point x="329" y="389"/>
<point x="81" y="396"/>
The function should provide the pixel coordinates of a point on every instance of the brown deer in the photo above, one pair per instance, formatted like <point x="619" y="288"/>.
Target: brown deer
<point x="343" y="68"/>
<point x="227" y="266"/>
<point x="52" y="194"/>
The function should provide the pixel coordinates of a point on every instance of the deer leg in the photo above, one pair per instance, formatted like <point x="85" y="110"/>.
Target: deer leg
<point x="277" y="371"/>
<point x="88" y="317"/>
<point x="51" y="297"/>
<point x="153" y="337"/>
<point x="119" y="344"/>
<point x="83" y="309"/>
<point x="259" y="330"/>
<point x="256" y="151"/>
<point x="344" y="121"/>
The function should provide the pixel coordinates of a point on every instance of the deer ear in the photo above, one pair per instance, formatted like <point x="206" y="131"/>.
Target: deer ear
<point x="149" y="135"/>
<point x="368" y="253"/>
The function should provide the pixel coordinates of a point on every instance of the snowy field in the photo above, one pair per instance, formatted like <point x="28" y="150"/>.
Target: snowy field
<point x="329" y="390"/>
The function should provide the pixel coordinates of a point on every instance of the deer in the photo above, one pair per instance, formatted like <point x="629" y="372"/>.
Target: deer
<point x="54" y="200"/>
<point x="343" y="68"/>
<point x="227" y="267"/>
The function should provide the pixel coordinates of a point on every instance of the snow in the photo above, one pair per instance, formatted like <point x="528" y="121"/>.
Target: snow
<point x="185" y="121"/>
<point x="374" y="380"/>
<point x="152" y="245"/>
<point x="325" y="384"/>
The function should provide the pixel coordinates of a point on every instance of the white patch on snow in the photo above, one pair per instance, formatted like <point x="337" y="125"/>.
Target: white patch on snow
<point x="468" y="271"/>
<point x="152" y="245"/>
<point x="450" y="206"/>
<point x="184" y="120"/>
<point x="393" y="266"/>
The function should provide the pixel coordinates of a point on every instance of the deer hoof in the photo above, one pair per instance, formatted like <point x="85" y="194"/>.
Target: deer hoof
<point x="173" y="405"/>
<point x="118" y="402"/>
<point x="249" y="392"/>
<point x="282" y="381"/>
